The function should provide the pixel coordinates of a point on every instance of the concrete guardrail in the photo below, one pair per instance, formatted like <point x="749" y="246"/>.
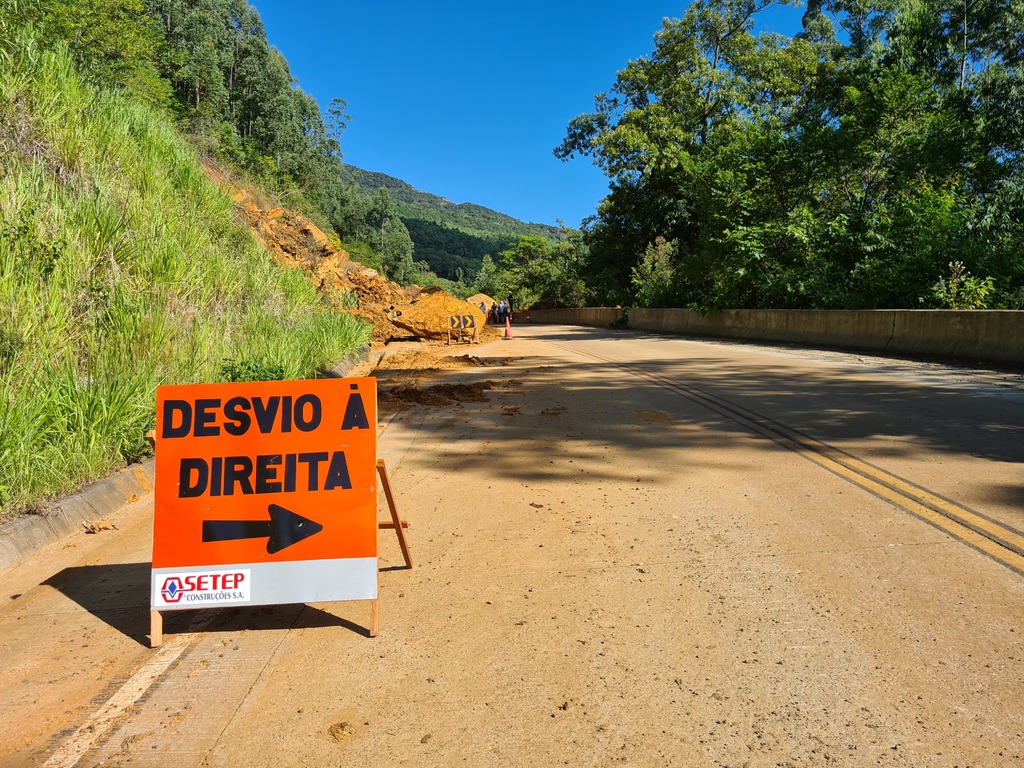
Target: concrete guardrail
<point x="991" y="336"/>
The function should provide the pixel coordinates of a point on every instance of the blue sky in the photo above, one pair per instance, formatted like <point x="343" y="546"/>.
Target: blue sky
<point x="467" y="99"/>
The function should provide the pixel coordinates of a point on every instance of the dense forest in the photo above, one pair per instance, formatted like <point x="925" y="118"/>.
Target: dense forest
<point x="873" y="160"/>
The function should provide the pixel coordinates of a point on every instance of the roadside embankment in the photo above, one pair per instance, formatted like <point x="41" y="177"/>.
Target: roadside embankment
<point x="992" y="336"/>
<point x="27" y="534"/>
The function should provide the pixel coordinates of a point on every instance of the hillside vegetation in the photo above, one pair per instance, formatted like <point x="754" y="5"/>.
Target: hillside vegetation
<point x="876" y="159"/>
<point x="121" y="267"/>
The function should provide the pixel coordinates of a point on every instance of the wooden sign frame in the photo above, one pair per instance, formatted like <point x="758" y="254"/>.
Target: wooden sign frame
<point x="220" y="445"/>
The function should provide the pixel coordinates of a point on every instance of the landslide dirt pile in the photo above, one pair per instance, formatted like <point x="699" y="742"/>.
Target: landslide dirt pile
<point x="393" y="312"/>
<point x="482" y="298"/>
<point x="428" y="316"/>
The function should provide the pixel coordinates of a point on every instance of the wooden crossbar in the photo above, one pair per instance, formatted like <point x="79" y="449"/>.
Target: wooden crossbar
<point x="395" y="523"/>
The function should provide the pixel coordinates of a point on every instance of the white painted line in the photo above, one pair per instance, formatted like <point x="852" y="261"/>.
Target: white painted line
<point x="101" y="723"/>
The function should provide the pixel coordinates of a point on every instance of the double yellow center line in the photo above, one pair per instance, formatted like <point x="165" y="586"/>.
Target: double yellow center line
<point x="1001" y="542"/>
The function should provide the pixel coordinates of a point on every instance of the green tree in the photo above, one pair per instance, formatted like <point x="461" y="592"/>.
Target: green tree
<point x="524" y="251"/>
<point x="240" y="102"/>
<point x="535" y="271"/>
<point x="652" y="277"/>
<point x="337" y="123"/>
<point x="392" y="238"/>
<point x="379" y="214"/>
<point x="840" y="168"/>
<point x="396" y="256"/>
<point x="113" y="41"/>
<point x="488" y="278"/>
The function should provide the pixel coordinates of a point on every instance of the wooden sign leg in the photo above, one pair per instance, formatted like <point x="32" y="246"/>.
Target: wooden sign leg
<point x="373" y="618"/>
<point x="156" y="629"/>
<point x="395" y="523"/>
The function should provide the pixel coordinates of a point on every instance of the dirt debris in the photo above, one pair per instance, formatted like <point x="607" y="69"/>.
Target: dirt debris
<point x="463" y="361"/>
<point x="98" y="525"/>
<point x="399" y="316"/>
<point x="430" y="357"/>
<point x="440" y="394"/>
<point x="341" y="732"/>
<point x="428" y="316"/>
<point x="481" y="298"/>
<point x="406" y="373"/>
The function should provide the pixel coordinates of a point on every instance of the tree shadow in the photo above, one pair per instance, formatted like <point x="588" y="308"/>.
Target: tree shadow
<point x="532" y="427"/>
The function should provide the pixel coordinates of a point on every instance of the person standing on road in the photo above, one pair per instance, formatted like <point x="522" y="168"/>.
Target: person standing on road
<point x="510" y="310"/>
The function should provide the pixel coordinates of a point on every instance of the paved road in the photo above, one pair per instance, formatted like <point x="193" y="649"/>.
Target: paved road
<point x="639" y="550"/>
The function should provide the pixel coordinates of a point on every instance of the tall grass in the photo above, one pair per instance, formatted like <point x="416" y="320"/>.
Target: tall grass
<point x="121" y="267"/>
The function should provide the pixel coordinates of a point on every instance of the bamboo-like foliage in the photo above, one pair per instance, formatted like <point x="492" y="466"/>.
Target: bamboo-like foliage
<point x="121" y="267"/>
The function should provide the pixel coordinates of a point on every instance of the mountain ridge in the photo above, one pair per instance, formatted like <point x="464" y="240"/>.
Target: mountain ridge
<point x="452" y="238"/>
<point x="404" y="192"/>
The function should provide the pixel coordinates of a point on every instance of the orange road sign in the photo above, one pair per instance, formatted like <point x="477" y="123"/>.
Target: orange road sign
<point x="266" y="492"/>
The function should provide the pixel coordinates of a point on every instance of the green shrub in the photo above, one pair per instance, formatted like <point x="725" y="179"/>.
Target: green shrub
<point x="621" y="322"/>
<point x="251" y="370"/>
<point x="962" y="290"/>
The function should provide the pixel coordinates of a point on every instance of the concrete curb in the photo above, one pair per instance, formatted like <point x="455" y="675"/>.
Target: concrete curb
<point x="342" y="369"/>
<point x="26" y="535"/>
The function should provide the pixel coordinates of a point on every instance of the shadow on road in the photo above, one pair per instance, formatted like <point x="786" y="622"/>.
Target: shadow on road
<point x="118" y="594"/>
<point x="537" y="427"/>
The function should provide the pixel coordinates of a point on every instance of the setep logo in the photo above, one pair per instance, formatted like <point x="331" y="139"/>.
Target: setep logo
<point x="171" y="590"/>
<point x="207" y="587"/>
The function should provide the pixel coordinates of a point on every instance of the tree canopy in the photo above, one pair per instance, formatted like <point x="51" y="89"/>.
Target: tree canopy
<point x="850" y="166"/>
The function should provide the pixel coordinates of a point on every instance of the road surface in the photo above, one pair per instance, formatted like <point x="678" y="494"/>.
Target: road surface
<point x="630" y="549"/>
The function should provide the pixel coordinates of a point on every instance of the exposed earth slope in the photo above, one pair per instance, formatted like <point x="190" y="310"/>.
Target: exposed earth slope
<point x="395" y="312"/>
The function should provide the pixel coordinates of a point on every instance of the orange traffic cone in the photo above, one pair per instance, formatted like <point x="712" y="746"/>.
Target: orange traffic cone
<point x="508" y="328"/>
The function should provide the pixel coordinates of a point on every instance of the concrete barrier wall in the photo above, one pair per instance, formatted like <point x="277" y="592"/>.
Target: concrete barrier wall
<point x="995" y="336"/>
<point x="596" y="317"/>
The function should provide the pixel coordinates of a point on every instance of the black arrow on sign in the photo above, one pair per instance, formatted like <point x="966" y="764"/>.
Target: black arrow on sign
<point x="284" y="529"/>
